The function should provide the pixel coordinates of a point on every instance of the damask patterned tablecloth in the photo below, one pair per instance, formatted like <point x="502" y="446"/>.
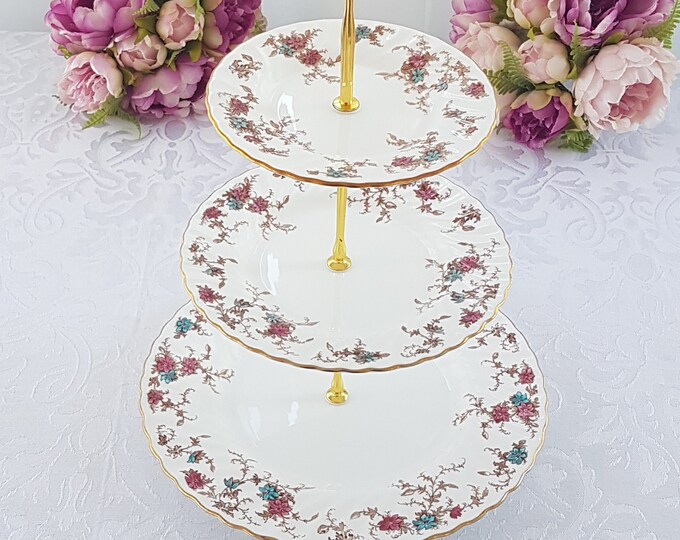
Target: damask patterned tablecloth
<point x="90" y="223"/>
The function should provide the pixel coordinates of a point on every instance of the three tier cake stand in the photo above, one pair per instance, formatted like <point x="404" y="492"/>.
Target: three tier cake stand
<point x="413" y="452"/>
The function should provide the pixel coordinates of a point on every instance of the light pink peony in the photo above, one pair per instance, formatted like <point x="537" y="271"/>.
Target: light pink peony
<point x="173" y="92"/>
<point x="465" y="12"/>
<point x="531" y="14"/>
<point x="178" y="23"/>
<point x="89" y="79"/>
<point x="482" y="44"/>
<point x="145" y="56"/>
<point x="626" y="86"/>
<point x="545" y="60"/>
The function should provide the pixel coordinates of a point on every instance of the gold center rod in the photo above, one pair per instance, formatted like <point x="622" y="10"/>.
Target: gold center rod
<point x="337" y="395"/>
<point x="347" y="102"/>
<point x="339" y="261"/>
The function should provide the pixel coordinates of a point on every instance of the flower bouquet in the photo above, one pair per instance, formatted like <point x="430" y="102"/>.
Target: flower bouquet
<point x="136" y="58"/>
<point x="570" y="70"/>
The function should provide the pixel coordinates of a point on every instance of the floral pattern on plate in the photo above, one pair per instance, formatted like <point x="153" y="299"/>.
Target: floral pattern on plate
<point x="206" y="454"/>
<point x="251" y="218"/>
<point x="425" y="106"/>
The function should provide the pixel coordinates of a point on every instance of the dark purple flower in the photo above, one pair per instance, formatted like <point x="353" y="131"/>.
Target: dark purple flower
<point x="228" y="23"/>
<point x="598" y="19"/>
<point x="538" y="120"/>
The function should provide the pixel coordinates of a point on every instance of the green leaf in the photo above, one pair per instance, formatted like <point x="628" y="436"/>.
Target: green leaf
<point x="141" y="34"/>
<point x="579" y="54"/>
<point x="128" y="76"/>
<point x="64" y="51"/>
<point x="501" y="13"/>
<point x="148" y="8"/>
<point x="614" y="38"/>
<point x="107" y="109"/>
<point x="194" y="48"/>
<point x="126" y="116"/>
<point x="512" y="77"/>
<point x="148" y="23"/>
<point x="199" y="9"/>
<point x="170" y="62"/>
<point x="581" y="141"/>
<point x="664" y="31"/>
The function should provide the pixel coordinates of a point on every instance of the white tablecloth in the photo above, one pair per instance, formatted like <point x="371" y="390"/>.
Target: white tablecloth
<point x="90" y="223"/>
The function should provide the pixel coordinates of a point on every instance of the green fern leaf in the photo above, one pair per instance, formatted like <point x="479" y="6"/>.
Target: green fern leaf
<point x="501" y="10"/>
<point x="100" y="115"/>
<point x="147" y="23"/>
<point x="148" y="8"/>
<point x="581" y="141"/>
<point x="128" y="117"/>
<point x="664" y="31"/>
<point x="579" y="54"/>
<point x="512" y="77"/>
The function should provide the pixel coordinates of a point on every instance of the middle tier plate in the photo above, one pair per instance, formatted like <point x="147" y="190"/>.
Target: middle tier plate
<point x="430" y="268"/>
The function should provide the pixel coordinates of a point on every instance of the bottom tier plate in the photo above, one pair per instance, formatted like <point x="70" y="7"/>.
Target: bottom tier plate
<point x="415" y="453"/>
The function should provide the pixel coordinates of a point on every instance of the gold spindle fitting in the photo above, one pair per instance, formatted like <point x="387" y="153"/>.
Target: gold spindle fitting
<point x="339" y="261"/>
<point x="337" y="395"/>
<point x="347" y="102"/>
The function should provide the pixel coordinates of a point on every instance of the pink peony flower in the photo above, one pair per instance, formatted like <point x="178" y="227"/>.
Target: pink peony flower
<point x="545" y="60"/>
<point x="172" y="92"/>
<point x="178" y="23"/>
<point x="482" y="44"/>
<point x="164" y="363"/>
<point x="391" y="523"/>
<point x="526" y="376"/>
<point x="456" y="512"/>
<point x="194" y="479"/>
<point x="154" y="397"/>
<point x="466" y="12"/>
<point x="500" y="413"/>
<point x="145" y="56"/>
<point x="540" y="116"/>
<point x="596" y="21"/>
<point x="206" y="294"/>
<point x="228" y="23"/>
<point x="279" y="507"/>
<point x="531" y="14"/>
<point x="88" y="25"/>
<point x="626" y="86"/>
<point x="189" y="366"/>
<point x="90" y="79"/>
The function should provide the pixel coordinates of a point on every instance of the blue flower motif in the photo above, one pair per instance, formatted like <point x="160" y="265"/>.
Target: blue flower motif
<point x="519" y="399"/>
<point x="517" y="455"/>
<point x="418" y="75"/>
<point x="425" y="522"/>
<point x="234" y="204"/>
<point x="183" y="325"/>
<point x="457" y="297"/>
<point x="272" y="318"/>
<point x="336" y="173"/>
<point x="453" y="275"/>
<point x="368" y="357"/>
<point x="269" y="493"/>
<point x="286" y="50"/>
<point x="442" y="87"/>
<point x="238" y="123"/>
<point x="362" y="32"/>
<point x="231" y="484"/>
<point x="192" y="458"/>
<point x="432" y="156"/>
<point x="168" y="376"/>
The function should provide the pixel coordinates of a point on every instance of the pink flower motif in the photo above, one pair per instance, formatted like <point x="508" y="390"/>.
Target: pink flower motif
<point x="391" y="523"/>
<point x="297" y="42"/>
<point x="189" y="366"/>
<point x="476" y="90"/>
<point x="154" y="397"/>
<point x="279" y="507"/>
<point x="194" y="479"/>
<point x="259" y="205"/>
<point x="240" y="193"/>
<point x="237" y="107"/>
<point x="526" y="411"/>
<point x="206" y="294"/>
<point x="212" y="213"/>
<point x="402" y="162"/>
<point x="456" y="512"/>
<point x="425" y="192"/>
<point x="468" y="264"/>
<point x="526" y="376"/>
<point x="500" y="413"/>
<point x="279" y="330"/>
<point x="469" y="318"/>
<point x="418" y="61"/>
<point x="164" y="363"/>
<point x="310" y="58"/>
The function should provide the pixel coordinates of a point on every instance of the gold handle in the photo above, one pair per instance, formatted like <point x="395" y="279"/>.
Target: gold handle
<point x="347" y="102"/>
<point x="339" y="261"/>
<point x="337" y="395"/>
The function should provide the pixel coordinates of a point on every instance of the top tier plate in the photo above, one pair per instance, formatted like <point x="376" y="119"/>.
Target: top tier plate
<point x="425" y="107"/>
